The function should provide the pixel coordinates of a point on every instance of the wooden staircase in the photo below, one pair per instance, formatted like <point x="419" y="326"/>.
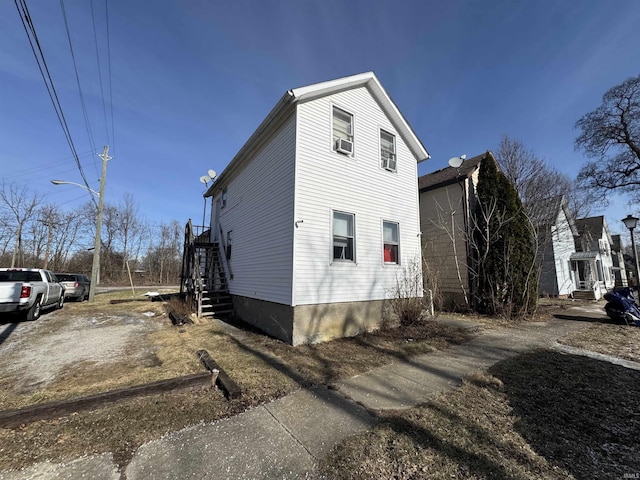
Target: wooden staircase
<point x="215" y="299"/>
<point x="204" y="278"/>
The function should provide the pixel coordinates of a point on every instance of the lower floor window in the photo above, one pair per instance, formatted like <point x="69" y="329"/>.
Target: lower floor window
<point x="390" y="240"/>
<point x="343" y="236"/>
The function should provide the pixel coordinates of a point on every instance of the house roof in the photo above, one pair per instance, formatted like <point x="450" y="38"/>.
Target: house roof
<point x="593" y="227"/>
<point x="285" y="106"/>
<point x="450" y="175"/>
<point x="544" y="213"/>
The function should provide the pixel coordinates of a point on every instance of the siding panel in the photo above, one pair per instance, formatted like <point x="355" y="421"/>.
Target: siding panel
<point x="260" y="212"/>
<point x="328" y="181"/>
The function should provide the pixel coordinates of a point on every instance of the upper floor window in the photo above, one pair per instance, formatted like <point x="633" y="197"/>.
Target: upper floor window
<point x="388" y="151"/>
<point x="224" y="197"/>
<point x="342" y="131"/>
<point x="343" y="236"/>
<point x="390" y="241"/>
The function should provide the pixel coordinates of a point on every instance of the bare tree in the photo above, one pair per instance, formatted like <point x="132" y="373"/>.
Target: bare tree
<point x="532" y="177"/>
<point x="610" y="135"/>
<point x="21" y="206"/>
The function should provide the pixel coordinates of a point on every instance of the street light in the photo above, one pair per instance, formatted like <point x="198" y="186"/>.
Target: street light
<point x="64" y="182"/>
<point x="96" y="246"/>
<point x="631" y="222"/>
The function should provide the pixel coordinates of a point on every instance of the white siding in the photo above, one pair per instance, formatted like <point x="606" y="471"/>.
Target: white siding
<point x="563" y="247"/>
<point x="259" y="210"/>
<point x="327" y="181"/>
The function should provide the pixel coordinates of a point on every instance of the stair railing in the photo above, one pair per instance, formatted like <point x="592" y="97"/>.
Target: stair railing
<point x="191" y="280"/>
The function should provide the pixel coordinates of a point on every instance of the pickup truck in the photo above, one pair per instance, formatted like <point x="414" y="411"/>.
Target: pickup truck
<point x="28" y="290"/>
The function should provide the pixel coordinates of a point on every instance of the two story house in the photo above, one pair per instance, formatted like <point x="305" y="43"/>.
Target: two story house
<point x="315" y="219"/>
<point x="593" y="263"/>
<point x="556" y="231"/>
<point x="447" y="205"/>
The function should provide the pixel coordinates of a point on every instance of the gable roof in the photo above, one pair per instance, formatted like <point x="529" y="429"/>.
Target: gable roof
<point x="285" y="106"/>
<point x="544" y="213"/>
<point x="593" y="227"/>
<point x="450" y="175"/>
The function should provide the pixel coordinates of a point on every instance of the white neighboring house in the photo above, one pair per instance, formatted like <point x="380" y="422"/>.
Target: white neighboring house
<point x="556" y="231"/>
<point x="318" y="214"/>
<point x="593" y="263"/>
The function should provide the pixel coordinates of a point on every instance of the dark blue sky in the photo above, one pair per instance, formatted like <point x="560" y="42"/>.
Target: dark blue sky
<point x="192" y="79"/>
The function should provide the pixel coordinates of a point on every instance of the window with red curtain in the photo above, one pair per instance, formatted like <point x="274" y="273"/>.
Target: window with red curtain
<point x="390" y="241"/>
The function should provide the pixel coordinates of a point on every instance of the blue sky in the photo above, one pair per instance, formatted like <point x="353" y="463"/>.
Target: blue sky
<point x="190" y="80"/>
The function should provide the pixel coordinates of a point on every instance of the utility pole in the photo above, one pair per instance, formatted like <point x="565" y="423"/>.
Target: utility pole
<point x="50" y="224"/>
<point x="95" y="269"/>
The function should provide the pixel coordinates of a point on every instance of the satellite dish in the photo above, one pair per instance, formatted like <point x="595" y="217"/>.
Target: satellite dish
<point x="455" y="162"/>
<point x="212" y="174"/>
<point x="205" y="179"/>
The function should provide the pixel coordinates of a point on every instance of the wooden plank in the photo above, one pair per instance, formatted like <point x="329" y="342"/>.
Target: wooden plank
<point x="12" y="418"/>
<point x="231" y="388"/>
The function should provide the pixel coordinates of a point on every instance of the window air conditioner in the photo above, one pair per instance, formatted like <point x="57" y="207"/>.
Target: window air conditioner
<point x="344" y="146"/>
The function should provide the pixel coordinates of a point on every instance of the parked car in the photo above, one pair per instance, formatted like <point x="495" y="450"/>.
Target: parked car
<point x="76" y="286"/>
<point x="28" y="290"/>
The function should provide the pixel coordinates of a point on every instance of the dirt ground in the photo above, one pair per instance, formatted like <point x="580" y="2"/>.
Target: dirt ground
<point x="34" y="356"/>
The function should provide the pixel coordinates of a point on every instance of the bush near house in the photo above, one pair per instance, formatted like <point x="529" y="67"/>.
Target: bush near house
<point x="504" y="247"/>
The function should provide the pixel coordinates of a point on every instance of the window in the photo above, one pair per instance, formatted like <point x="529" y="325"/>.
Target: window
<point x="224" y="197"/>
<point x="228" y="245"/>
<point x="342" y="131"/>
<point x="343" y="236"/>
<point x="388" y="150"/>
<point x="390" y="241"/>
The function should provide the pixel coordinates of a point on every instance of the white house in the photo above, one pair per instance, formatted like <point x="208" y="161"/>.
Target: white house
<point x="556" y="231"/>
<point x="317" y="214"/>
<point x="592" y="263"/>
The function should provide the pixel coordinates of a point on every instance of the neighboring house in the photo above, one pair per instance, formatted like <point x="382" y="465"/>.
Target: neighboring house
<point x="592" y="263"/>
<point x="447" y="203"/>
<point x="555" y="231"/>
<point x="619" y="268"/>
<point x="315" y="219"/>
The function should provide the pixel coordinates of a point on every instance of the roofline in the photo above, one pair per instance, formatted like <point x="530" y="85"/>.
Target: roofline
<point x="302" y="94"/>
<point x="457" y="178"/>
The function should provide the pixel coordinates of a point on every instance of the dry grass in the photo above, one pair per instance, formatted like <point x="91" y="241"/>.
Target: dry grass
<point x="610" y="339"/>
<point x="540" y="415"/>
<point x="264" y="368"/>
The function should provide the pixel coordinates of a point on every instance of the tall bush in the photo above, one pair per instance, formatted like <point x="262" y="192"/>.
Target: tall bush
<point x="504" y="247"/>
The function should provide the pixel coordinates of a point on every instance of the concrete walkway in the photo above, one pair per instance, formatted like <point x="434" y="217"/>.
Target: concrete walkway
<point x="286" y="437"/>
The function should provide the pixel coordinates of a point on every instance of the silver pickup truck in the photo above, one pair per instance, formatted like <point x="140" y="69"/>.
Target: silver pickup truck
<point x="28" y="290"/>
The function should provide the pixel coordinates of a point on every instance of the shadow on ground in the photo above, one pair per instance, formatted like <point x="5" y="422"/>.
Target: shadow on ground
<point x="578" y="413"/>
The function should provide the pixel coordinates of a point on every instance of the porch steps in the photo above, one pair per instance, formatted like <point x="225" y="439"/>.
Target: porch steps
<point x="584" y="295"/>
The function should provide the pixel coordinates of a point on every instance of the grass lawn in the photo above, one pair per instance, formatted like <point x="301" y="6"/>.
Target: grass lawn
<point x="264" y="368"/>
<point x="540" y="415"/>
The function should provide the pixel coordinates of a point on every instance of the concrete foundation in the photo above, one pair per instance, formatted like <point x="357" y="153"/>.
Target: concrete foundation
<point x="310" y="323"/>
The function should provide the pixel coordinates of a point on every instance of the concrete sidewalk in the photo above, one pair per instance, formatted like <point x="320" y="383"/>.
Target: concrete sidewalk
<point x="285" y="438"/>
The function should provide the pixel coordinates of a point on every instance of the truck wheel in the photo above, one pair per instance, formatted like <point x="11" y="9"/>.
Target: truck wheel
<point x="34" y="312"/>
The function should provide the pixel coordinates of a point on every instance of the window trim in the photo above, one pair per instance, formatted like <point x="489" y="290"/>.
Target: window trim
<point x="350" y="137"/>
<point x="394" y="153"/>
<point x="353" y="237"/>
<point x="396" y="243"/>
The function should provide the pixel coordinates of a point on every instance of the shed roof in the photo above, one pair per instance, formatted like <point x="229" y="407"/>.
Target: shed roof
<point x="311" y="92"/>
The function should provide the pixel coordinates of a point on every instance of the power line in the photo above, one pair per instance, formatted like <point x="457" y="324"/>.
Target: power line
<point x="75" y="68"/>
<point x="95" y="39"/>
<point x="113" y="131"/>
<point x="29" y="27"/>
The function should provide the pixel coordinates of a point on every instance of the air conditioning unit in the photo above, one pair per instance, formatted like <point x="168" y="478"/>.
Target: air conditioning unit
<point x="344" y="146"/>
<point x="388" y="162"/>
